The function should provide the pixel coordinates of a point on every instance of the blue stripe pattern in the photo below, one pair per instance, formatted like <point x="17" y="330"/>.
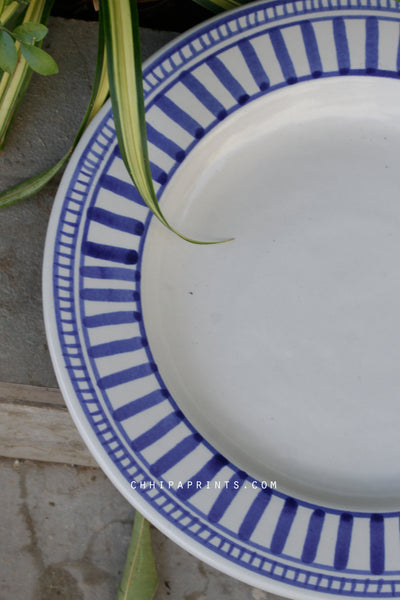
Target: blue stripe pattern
<point x="121" y="188"/>
<point x="158" y="431"/>
<point x="165" y="144"/>
<point x="115" y="221"/>
<point x="343" y="540"/>
<point x="109" y="295"/>
<point x="283" y="526"/>
<point x="226" y="497"/>
<point x="127" y="375"/>
<point x="313" y="536"/>
<point x="140" y="404"/>
<point x="124" y="256"/>
<point x="204" y="95"/>
<point x="233" y="86"/>
<point x="371" y="45"/>
<point x="254" y="64"/>
<point x="311" y="46"/>
<point x="116" y="273"/>
<point x="178" y="115"/>
<point x="254" y="514"/>
<point x="112" y="318"/>
<point x="377" y="544"/>
<point x="342" y="45"/>
<point x="206" y="473"/>
<point x="174" y="456"/>
<point x="117" y="347"/>
<point x="283" y="56"/>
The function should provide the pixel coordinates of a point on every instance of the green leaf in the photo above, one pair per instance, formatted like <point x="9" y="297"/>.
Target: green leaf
<point x="8" y="52"/>
<point x="121" y="32"/>
<point x="31" y="186"/>
<point x="30" y="32"/>
<point x="2" y="4"/>
<point x="39" y="60"/>
<point x="139" y="580"/>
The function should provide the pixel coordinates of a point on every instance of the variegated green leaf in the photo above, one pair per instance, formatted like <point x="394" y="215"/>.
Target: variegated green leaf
<point x="121" y="29"/>
<point x="139" y="580"/>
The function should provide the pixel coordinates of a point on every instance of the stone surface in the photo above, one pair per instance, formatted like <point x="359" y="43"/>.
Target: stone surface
<point x="68" y="531"/>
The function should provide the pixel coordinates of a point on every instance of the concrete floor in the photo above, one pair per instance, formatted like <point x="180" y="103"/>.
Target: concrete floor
<point x="64" y="530"/>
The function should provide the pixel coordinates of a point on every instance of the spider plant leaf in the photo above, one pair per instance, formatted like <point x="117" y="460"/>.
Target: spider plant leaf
<point x="39" y="60"/>
<point x="139" y="579"/>
<point x="121" y="31"/>
<point x="31" y="186"/>
<point x="13" y="86"/>
<point x="8" y="52"/>
<point x="30" y="32"/>
<point x="99" y="95"/>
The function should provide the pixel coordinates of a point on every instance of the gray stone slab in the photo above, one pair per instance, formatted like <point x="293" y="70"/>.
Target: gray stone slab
<point x="68" y="531"/>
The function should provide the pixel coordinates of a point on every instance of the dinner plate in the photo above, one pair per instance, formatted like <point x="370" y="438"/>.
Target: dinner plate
<point x="244" y="395"/>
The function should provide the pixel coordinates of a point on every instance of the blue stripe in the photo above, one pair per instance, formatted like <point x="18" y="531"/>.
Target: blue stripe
<point x="204" y="95"/>
<point x="119" y="222"/>
<point x="137" y="406"/>
<point x="124" y="256"/>
<point x="313" y="536"/>
<point x="117" y="273"/>
<point x="371" y="44"/>
<point x="226" y="497"/>
<point x="121" y="188"/>
<point x="176" y="454"/>
<point x="206" y="473"/>
<point x="158" y="174"/>
<point x="236" y="90"/>
<point x="283" y="526"/>
<point x="165" y="144"/>
<point x="398" y="58"/>
<point x="157" y="431"/>
<point x="113" y="318"/>
<point x="109" y="295"/>
<point x="254" y="64"/>
<point x="283" y="56"/>
<point x="342" y="46"/>
<point x="174" y="112"/>
<point x="343" y="540"/>
<point x="311" y="46"/>
<point x="117" y="347"/>
<point x="254" y="514"/>
<point x="110" y="381"/>
<point x="377" y="544"/>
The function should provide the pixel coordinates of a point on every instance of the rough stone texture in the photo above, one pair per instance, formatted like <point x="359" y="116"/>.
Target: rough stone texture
<point x="68" y="531"/>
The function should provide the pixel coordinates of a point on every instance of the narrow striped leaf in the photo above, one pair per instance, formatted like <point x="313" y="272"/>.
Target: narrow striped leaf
<point x="139" y="580"/>
<point x="99" y="94"/>
<point x="121" y="31"/>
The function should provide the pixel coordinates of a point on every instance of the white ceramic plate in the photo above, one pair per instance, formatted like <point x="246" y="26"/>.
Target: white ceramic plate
<point x="243" y="396"/>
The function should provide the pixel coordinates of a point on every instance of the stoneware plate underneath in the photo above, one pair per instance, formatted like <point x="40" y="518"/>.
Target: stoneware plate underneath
<point x="244" y="396"/>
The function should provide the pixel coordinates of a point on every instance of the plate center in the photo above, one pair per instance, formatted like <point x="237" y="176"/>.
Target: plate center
<point x="282" y="347"/>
